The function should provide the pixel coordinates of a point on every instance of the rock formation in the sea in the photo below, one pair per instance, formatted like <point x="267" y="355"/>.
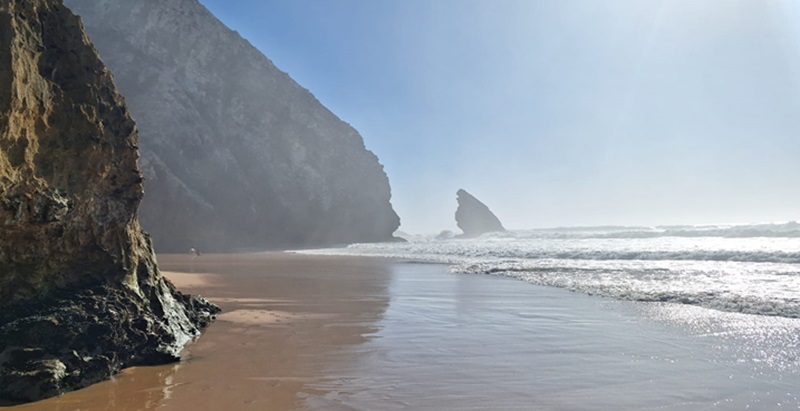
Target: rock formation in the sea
<point x="80" y="294"/>
<point x="473" y="217"/>
<point x="235" y="153"/>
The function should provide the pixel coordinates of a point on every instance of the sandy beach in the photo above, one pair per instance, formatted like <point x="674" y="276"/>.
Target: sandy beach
<point x="328" y="333"/>
<point x="283" y="317"/>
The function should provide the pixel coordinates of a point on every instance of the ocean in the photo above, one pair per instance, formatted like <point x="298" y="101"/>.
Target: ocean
<point x="751" y="269"/>
<point x="683" y="317"/>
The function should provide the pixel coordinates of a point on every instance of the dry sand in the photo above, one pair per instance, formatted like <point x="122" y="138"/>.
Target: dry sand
<point x="283" y="314"/>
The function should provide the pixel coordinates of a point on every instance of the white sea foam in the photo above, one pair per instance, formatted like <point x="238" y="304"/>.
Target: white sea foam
<point x="751" y="269"/>
<point x="789" y="230"/>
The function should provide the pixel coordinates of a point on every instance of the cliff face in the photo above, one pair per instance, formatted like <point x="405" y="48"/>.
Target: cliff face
<point x="80" y="294"/>
<point x="235" y="153"/>
<point x="473" y="217"/>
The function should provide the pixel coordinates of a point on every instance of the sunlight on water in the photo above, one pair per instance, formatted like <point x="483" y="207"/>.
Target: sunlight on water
<point x="744" y="269"/>
<point x="766" y="344"/>
<point x="701" y="310"/>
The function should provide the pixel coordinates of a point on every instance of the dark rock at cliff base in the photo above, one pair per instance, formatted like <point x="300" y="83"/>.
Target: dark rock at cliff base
<point x="235" y="153"/>
<point x="473" y="217"/>
<point x="78" y="337"/>
<point x="80" y="294"/>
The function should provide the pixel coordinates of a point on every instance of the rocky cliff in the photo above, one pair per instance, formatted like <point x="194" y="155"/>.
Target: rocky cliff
<point x="235" y="153"/>
<point x="473" y="217"/>
<point x="80" y="294"/>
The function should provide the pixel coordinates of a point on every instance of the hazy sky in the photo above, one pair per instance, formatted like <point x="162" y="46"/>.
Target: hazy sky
<point x="568" y="112"/>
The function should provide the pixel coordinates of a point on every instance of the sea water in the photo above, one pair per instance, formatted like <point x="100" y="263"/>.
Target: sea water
<point x="690" y="317"/>
<point x="752" y="269"/>
<point x="475" y="342"/>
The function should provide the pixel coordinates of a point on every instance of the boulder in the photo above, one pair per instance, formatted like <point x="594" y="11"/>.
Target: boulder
<point x="81" y="296"/>
<point x="473" y="217"/>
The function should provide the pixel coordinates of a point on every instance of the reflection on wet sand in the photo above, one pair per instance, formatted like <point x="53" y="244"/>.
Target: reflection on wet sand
<point x="137" y="388"/>
<point x="285" y="320"/>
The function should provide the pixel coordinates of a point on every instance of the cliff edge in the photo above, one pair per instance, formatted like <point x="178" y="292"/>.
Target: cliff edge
<point x="80" y="294"/>
<point x="236" y="154"/>
<point x="473" y="217"/>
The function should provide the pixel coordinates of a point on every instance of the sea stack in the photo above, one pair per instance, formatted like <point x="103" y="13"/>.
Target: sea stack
<point x="236" y="154"/>
<point x="473" y="217"/>
<point x="80" y="294"/>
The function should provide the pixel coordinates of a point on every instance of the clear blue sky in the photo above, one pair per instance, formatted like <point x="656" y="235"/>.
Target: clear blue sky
<point x="577" y="112"/>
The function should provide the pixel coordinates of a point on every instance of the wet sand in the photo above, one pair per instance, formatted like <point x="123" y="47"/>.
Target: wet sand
<point x="348" y="333"/>
<point x="283" y="315"/>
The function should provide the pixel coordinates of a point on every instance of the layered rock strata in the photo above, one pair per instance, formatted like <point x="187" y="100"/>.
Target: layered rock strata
<point x="80" y="294"/>
<point x="236" y="154"/>
<point x="473" y="217"/>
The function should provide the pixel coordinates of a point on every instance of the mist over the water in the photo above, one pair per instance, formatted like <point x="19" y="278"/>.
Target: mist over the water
<point x="557" y="113"/>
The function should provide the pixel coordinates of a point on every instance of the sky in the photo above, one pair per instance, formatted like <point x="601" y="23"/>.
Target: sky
<point x="556" y="113"/>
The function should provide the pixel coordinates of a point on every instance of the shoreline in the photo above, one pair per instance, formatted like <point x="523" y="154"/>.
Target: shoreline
<point x="302" y="331"/>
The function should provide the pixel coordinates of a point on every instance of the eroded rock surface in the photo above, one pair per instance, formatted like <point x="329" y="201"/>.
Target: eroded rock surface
<point x="236" y="153"/>
<point x="80" y="294"/>
<point x="473" y="217"/>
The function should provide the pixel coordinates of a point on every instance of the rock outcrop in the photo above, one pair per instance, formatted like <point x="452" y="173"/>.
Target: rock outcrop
<point x="235" y="153"/>
<point x="473" y="217"/>
<point x="80" y="294"/>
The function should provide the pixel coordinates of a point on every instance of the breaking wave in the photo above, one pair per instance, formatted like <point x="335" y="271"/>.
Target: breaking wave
<point x="753" y="269"/>
<point x="772" y="230"/>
